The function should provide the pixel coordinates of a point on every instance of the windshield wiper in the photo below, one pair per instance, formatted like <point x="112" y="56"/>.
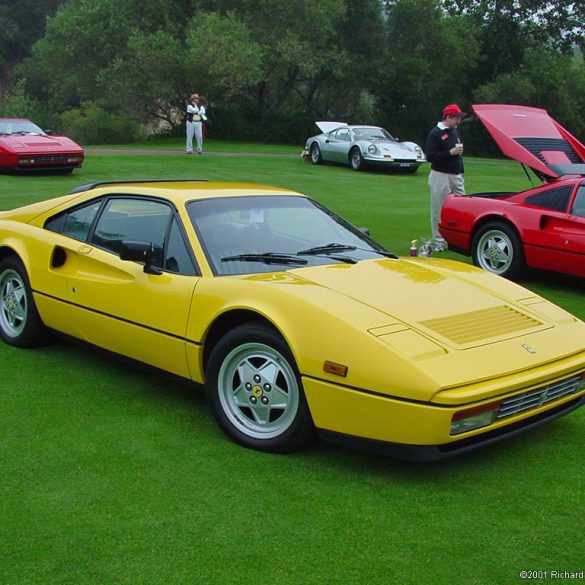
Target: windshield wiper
<point x="334" y="247"/>
<point x="382" y="253"/>
<point x="266" y="258"/>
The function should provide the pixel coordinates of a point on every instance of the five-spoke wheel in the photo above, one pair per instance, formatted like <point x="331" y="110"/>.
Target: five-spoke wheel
<point x="20" y="324"/>
<point x="255" y="390"/>
<point x="497" y="248"/>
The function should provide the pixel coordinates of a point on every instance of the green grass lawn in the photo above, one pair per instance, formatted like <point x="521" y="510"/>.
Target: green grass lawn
<point x="113" y="473"/>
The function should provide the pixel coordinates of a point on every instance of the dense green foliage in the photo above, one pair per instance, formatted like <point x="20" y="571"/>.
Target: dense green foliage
<point x="267" y="69"/>
<point x="113" y="474"/>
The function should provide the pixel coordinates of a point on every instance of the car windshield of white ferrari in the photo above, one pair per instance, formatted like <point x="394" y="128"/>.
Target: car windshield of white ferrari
<point x="372" y="134"/>
<point x="251" y="234"/>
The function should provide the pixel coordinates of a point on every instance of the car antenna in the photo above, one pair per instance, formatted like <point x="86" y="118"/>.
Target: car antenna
<point x="527" y="173"/>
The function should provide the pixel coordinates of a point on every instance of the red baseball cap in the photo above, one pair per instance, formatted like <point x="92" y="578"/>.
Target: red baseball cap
<point x="453" y="110"/>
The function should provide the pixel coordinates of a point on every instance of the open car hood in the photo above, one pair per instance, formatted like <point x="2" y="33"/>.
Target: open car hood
<point x="328" y="126"/>
<point x="532" y="137"/>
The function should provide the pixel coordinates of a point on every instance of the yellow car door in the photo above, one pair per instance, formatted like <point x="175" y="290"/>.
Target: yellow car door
<point x="117" y="304"/>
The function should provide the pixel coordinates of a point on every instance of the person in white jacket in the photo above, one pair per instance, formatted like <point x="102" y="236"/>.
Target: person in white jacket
<point x="195" y="118"/>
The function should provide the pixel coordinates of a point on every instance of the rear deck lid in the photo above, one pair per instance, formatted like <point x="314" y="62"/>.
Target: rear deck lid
<point x="532" y="137"/>
<point x="329" y="126"/>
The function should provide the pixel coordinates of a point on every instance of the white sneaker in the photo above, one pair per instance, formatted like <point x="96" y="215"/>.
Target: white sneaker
<point x="439" y="248"/>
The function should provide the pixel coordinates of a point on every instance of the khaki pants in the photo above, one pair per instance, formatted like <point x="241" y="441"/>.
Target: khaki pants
<point x="441" y="185"/>
<point x="194" y="130"/>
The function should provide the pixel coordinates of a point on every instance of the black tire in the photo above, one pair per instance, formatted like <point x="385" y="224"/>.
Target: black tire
<point x="20" y="324"/>
<point x="497" y="248"/>
<point x="356" y="160"/>
<point x="255" y="391"/>
<point x="315" y="153"/>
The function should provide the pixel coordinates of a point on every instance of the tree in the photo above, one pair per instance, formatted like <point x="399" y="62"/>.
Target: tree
<point x="428" y="58"/>
<point x="22" y="23"/>
<point x="556" y="25"/>
<point x="222" y="59"/>
<point x="509" y="28"/>
<point x="560" y="91"/>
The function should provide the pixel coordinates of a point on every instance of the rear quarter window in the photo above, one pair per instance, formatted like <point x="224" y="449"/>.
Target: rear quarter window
<point x="553" y="199"/>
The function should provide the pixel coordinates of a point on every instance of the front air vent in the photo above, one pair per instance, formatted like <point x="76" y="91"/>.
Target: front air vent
<point x="58" y="258"/>
<point x="481" y="325"/>
<point x="538" y="397"/>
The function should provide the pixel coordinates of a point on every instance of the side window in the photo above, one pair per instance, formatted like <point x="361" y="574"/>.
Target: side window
<point x="343" y="134"/>
<point x="579" y="203"/>
<point x="553" y="199"/>
<point x="75" y="224"/>
<point x="177" y="258"/>
<point x="133" y="219"/>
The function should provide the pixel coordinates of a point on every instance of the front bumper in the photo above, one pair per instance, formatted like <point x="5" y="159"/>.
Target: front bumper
<point x="427" y="453"/>
<point x="44" y="162"/>
<point x="413" y="430"/>
<point x="393" y="162"/>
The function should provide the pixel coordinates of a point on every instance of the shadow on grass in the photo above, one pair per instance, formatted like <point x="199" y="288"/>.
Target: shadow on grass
<point x="560" y="282"/>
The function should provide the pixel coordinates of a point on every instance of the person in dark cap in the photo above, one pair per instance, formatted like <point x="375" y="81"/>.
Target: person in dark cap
<point x="195" y="118"/>
<point x="444" y="151"/>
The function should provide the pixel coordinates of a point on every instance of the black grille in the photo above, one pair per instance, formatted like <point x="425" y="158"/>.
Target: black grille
<point x="52" y="159"/>
<point x="537" y="146"/>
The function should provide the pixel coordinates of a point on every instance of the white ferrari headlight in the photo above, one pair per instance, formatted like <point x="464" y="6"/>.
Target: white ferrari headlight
<point x="418" y="150"/>
<point x="372" y="149"/>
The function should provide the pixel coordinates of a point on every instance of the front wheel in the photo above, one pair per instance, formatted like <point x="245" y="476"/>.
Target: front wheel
<point x="255" y="391"/>
<point x="20" y="324"/>
<point x="497" y="248"/>
<point x="356" y="160"/>
<point x="316" y="157"/>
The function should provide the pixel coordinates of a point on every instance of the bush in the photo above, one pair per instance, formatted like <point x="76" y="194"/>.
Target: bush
<point x="243" y="124"/>
<point x="90" y="124"/>
<point x="18" y="104"/>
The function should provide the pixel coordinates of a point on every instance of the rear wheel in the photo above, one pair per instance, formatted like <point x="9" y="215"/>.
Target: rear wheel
<point x="497" y="248"/>
<point x="255" y="391"/>
<point x="356" y="160"/>
<point x="20" y="324"/>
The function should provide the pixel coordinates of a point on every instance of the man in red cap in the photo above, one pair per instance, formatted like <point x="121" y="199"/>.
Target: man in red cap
<point x="444" y="151"/>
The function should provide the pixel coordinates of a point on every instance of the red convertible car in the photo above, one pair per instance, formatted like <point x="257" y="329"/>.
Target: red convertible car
<point x="25" y="147"/>
<point x="541" y="228"/>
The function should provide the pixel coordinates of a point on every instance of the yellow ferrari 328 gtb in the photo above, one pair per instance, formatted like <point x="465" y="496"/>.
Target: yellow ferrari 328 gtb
<point x="294" y="320"/>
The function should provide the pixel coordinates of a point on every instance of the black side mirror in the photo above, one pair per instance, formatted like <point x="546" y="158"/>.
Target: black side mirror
<point x="365" y="230"/>
<point x="139" y="252"/>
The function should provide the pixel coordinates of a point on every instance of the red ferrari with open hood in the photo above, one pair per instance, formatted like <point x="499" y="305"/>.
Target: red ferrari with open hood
<point x="543" y="227"/>
<point x="532" y="137"/>
<point x="25" y="147"/>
